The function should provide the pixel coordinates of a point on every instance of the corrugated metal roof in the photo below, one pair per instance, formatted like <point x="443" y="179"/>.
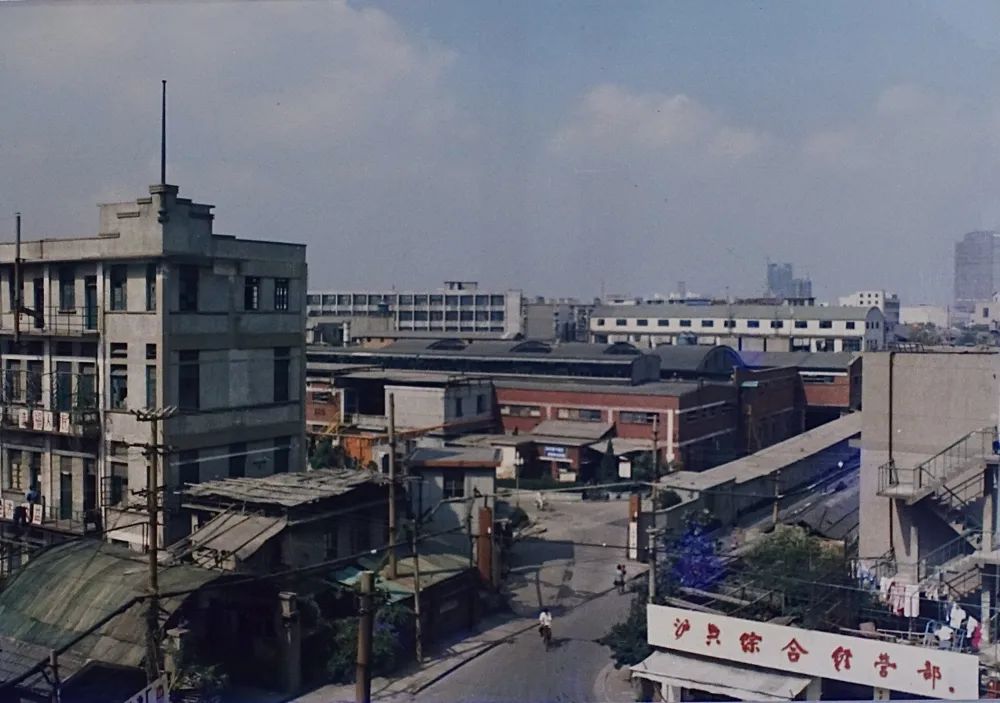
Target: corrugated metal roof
<point x="692" y="357"/>
<point x="512" y="349"/>
<point x="667" y="388"/>
<point x="834" y="361"/>
<point x="572" y="429"/>
<point x="438" y="563"/>
<point x="751" y="312"/>
<point x="288" y="490"/>
<point x="454" y="456"/>
<point x="233" y="535"/>
<point x="66" y="589"/>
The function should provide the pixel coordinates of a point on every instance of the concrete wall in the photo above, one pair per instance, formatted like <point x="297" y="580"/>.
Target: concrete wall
<point x="937" y="398"/>
<point x="446" y="516"/>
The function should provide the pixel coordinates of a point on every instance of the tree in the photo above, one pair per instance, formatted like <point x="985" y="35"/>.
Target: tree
<point x="627" y="639"/>
<point x="813" y="577"/>
<point x="322" y="454"/>
<point x="391" y="639"/>
<point x="691" y="558"/>
<point x="609" y="465"/>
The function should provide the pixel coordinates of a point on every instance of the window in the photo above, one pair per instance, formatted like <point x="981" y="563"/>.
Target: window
<point x="818" y="378"/>
<point x="187" y="296"/>
<point x="685" y="323"/>
<point x="600" y="322"/>
<point x="466" y="300"/>
<point x="119" y="386"/>
<point x="458" y="407"/>
<point x="496" y="300"/>
<point x="150" y="287"/>
<point x="86" y="387"/>
<point x="188" y="380"/>
<point x="708" y="323"/>
<point x="636" y="418"/>
<point x="585" y="414"/>
<point x="282" y="365"/>
<point x="753" y="324"/>
<point x="119" y="281"/>
<point x="777" y="324"/>
<point x="420" y="300"/>
<point x="801" y="324"/>
<point x="150" y="351"/>
<point x="119" y="350"/>
<point x="119" y="483"/>
<point x="282" y="453"/>
<point x="642" y="322"/>
<point x="188" y="470"/>
<point x="852" y="345"/>
<point x="663" y="323"/>
<point x="480" y="404"/>
<point x="151" y="387"/>
<point x="14" y="381"/>
<point x="34" y="382"/>
<point x="454" y="485"/>
<point x="63" y="395"/>
<point x="280" y="293"/>
<point x="729" y="324"/>
<point x="850" y="324"/>
<point x="67" y="289"/>
<point x="521" y="410"/>
<point x="620" y="322"/>
<point x="437" y="300"/>
<point x="251" y="293"/>
<point x="237" y="460"/>
<point x="826" y="324"/>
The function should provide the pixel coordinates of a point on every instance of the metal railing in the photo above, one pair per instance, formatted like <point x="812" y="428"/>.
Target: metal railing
<point x="962" y="546"/>
<point x="52" y="319"/>
<point x="896" y="480"/>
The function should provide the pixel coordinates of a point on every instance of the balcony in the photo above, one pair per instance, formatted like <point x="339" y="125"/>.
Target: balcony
<point x="73" y="423"/>
<point x="55" y="321"/>
<point x="968" y="454"/>
<point x="75" y="522"/>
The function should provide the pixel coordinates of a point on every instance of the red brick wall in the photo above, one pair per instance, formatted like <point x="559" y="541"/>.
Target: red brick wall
<point x="318" y="411"/>
<point x="836" y="394"/>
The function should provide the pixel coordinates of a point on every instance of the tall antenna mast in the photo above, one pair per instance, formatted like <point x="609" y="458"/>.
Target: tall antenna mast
<point x="163" y="135"/>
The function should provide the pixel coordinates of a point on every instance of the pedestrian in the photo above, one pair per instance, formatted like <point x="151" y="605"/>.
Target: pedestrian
<point x="620" y="578"/>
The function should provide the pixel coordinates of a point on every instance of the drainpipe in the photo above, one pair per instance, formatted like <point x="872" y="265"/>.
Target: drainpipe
<point x="892" y="461"/>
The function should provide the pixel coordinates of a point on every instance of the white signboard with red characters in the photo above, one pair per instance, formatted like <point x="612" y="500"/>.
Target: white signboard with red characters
<point x="899" y="667"/>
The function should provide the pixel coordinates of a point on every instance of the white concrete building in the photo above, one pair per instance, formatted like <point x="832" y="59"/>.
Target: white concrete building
<point x="460" y="306"/>
<point x="157" y="310"/>
<point x="888" y="303"/>
<point x="937" y="315"/>
<point x="751" y="327"/>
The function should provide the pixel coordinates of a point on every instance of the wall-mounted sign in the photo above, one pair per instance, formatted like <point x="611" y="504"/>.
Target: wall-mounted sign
<point x="555" y="453"/>
<point x="869" y="662"/>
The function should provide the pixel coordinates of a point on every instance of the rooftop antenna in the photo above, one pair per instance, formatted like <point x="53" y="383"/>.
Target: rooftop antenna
<point x="163" y="135"/>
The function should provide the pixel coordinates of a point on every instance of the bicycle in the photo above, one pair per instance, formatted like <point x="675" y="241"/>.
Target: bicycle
<point x="546" y="633"/>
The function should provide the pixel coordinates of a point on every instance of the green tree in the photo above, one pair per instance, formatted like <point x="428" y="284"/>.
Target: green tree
<point x="391" y="641"/>
<point x="322" y="454"/>
<point x="627" y="639"/>
<point x="813" y="576"/>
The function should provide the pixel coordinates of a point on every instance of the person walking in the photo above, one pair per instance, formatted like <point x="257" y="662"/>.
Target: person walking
<point x="620" y="578"/>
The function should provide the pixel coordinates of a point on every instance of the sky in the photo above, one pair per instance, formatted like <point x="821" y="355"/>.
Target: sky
<point x="561" y="148"/>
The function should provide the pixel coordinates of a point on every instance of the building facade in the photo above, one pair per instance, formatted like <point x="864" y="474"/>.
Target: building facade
<point x="888" y="303"/>
<point x="750" y="327"/>
<point x="460" y="306"/>
<point x="156" y="311"/>
<point x="563" y="320"/>
<point x="977" y="268"/>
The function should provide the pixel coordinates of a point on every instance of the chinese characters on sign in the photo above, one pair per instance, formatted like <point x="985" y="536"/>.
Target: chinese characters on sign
<point x="883" y="665"/>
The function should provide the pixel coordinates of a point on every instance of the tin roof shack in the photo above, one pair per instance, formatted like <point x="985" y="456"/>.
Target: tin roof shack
<point x="60" y="601"/>
<point x="263" y="525"/>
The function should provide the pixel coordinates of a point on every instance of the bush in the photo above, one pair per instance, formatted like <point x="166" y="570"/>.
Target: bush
<point x="627" y="639"/>
<point x="390" y="637"/>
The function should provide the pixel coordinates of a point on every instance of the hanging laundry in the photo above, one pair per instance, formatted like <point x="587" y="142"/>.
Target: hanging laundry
<point x="944" y="633"/>
<point x="957" y="616"/>
<point x="884" y="586"/>
<point x="977" y="637"/>
<point x="970" y="626"/>
<point x="911" y="601"/>
<point x="897" y="599"/>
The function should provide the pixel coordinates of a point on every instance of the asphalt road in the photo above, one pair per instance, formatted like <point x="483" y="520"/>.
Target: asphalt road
<point x="521" y="670"/>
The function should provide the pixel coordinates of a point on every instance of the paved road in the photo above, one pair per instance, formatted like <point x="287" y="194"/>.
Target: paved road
<point x="521" y="670"/>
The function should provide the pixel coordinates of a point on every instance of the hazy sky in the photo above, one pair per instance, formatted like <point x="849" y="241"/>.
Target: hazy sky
<point x="549" y="146"/>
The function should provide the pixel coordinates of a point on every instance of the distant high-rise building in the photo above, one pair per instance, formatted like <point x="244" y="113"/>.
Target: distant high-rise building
<point x="781" y="283"/>
<point x="779" y="280"/>
<point x="977" y="268"/>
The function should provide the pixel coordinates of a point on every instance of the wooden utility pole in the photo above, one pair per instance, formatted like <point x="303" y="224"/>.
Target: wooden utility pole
<point x="363" y="673"/>
<point x="417" y="628"/>
<point x="651" y="550"/>
<point x="777" y="497"/>
<point x="154" y="656"/>
<point x="656" y="447"/>
<point x="392" y="486"/>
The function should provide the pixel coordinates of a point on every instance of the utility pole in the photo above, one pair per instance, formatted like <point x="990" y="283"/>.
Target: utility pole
<point x="363" y="673"/>
<point x="154" y="657"/>
<point x="418" y="633"/>
<point x="392" y="486"/>
<point x="777" y="497"/>
<point x="656" y="447"/>
<point x="17" y="303"/>
<point x="651" y="550"/>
